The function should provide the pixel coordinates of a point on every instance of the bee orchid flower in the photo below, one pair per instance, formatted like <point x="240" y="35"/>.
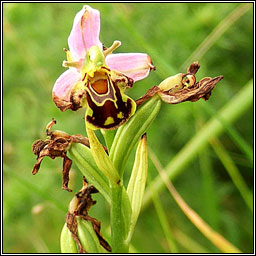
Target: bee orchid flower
<point x="96" y="78"/>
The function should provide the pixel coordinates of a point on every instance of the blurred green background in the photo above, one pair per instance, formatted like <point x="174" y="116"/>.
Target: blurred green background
<point x="34" y="207"/>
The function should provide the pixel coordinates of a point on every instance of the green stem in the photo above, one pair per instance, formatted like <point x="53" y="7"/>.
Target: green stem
<point x="117" y="221"/>
<point x="229" y="113"/>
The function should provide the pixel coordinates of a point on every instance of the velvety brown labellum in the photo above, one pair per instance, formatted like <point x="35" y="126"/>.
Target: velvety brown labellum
<point x="110" y="107"/>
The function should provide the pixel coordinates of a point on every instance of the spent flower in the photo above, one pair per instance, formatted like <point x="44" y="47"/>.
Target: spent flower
<point x="182" y="87"/>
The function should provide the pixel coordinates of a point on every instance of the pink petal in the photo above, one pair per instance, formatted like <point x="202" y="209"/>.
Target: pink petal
<point x="133" y="65"/>
<point x="63" y="87"/>
<point x="85" y="32"/>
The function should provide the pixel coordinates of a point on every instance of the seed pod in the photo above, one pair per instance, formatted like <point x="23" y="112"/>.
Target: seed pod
<point x="67" y="243"/>
<point x="171" y="82"/>
<point x="87" y="236"/>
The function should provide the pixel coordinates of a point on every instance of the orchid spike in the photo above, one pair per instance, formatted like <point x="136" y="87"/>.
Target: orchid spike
<point x="97" y="78"/>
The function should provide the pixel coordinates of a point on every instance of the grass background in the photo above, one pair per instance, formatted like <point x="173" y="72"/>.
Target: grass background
<point x="34" y="207"/>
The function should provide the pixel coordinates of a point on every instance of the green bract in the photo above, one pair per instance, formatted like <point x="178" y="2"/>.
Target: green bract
<point x="137" y="182"/>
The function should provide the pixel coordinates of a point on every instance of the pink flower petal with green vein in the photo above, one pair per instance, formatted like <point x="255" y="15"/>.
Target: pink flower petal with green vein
<point x="85" y="32"/>
<point x="65" y="83"/>
<point x="133" y="65"/>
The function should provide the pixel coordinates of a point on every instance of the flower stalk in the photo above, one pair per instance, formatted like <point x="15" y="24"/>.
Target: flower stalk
<point x="97" y="80"/>
<point x="117" y="220"/>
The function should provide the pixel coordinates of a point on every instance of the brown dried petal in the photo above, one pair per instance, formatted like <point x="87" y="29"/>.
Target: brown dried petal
<point x="96" y="226"/>
<point x="53" y="148"/>
<point x="57" y="146"/>
<point x="74" y="103"/>
<point x="193" y="68"/>
<point x="38" y="146"/>
<point x="37" y="165"/>
<point x="65" y="172"/>
<point x="72" y="226"/>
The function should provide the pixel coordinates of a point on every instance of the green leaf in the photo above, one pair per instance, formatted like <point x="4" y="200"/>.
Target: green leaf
<point x="82" y="156"/>
<point x="137" y="182"/>
<point x="128" y="134"/>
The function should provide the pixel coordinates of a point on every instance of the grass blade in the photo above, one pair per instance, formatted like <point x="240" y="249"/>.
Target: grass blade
<point x="164" y="222"/>
<point x="223" y="26"/>
<point x="188" y="243"/>
<point x="214" y="237"/>
<point x="233" y="172"/>
<point x="237" y="138"/>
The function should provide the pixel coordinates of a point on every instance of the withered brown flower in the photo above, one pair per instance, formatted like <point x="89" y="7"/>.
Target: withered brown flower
<point x="57" y="146"/>
<point x="79" y="207"/>
<point x="183" y="87"/>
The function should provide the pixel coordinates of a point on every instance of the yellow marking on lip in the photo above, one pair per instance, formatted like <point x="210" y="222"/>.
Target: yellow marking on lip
<point x="120" y="115"/>
<point x="109" y="120"/>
